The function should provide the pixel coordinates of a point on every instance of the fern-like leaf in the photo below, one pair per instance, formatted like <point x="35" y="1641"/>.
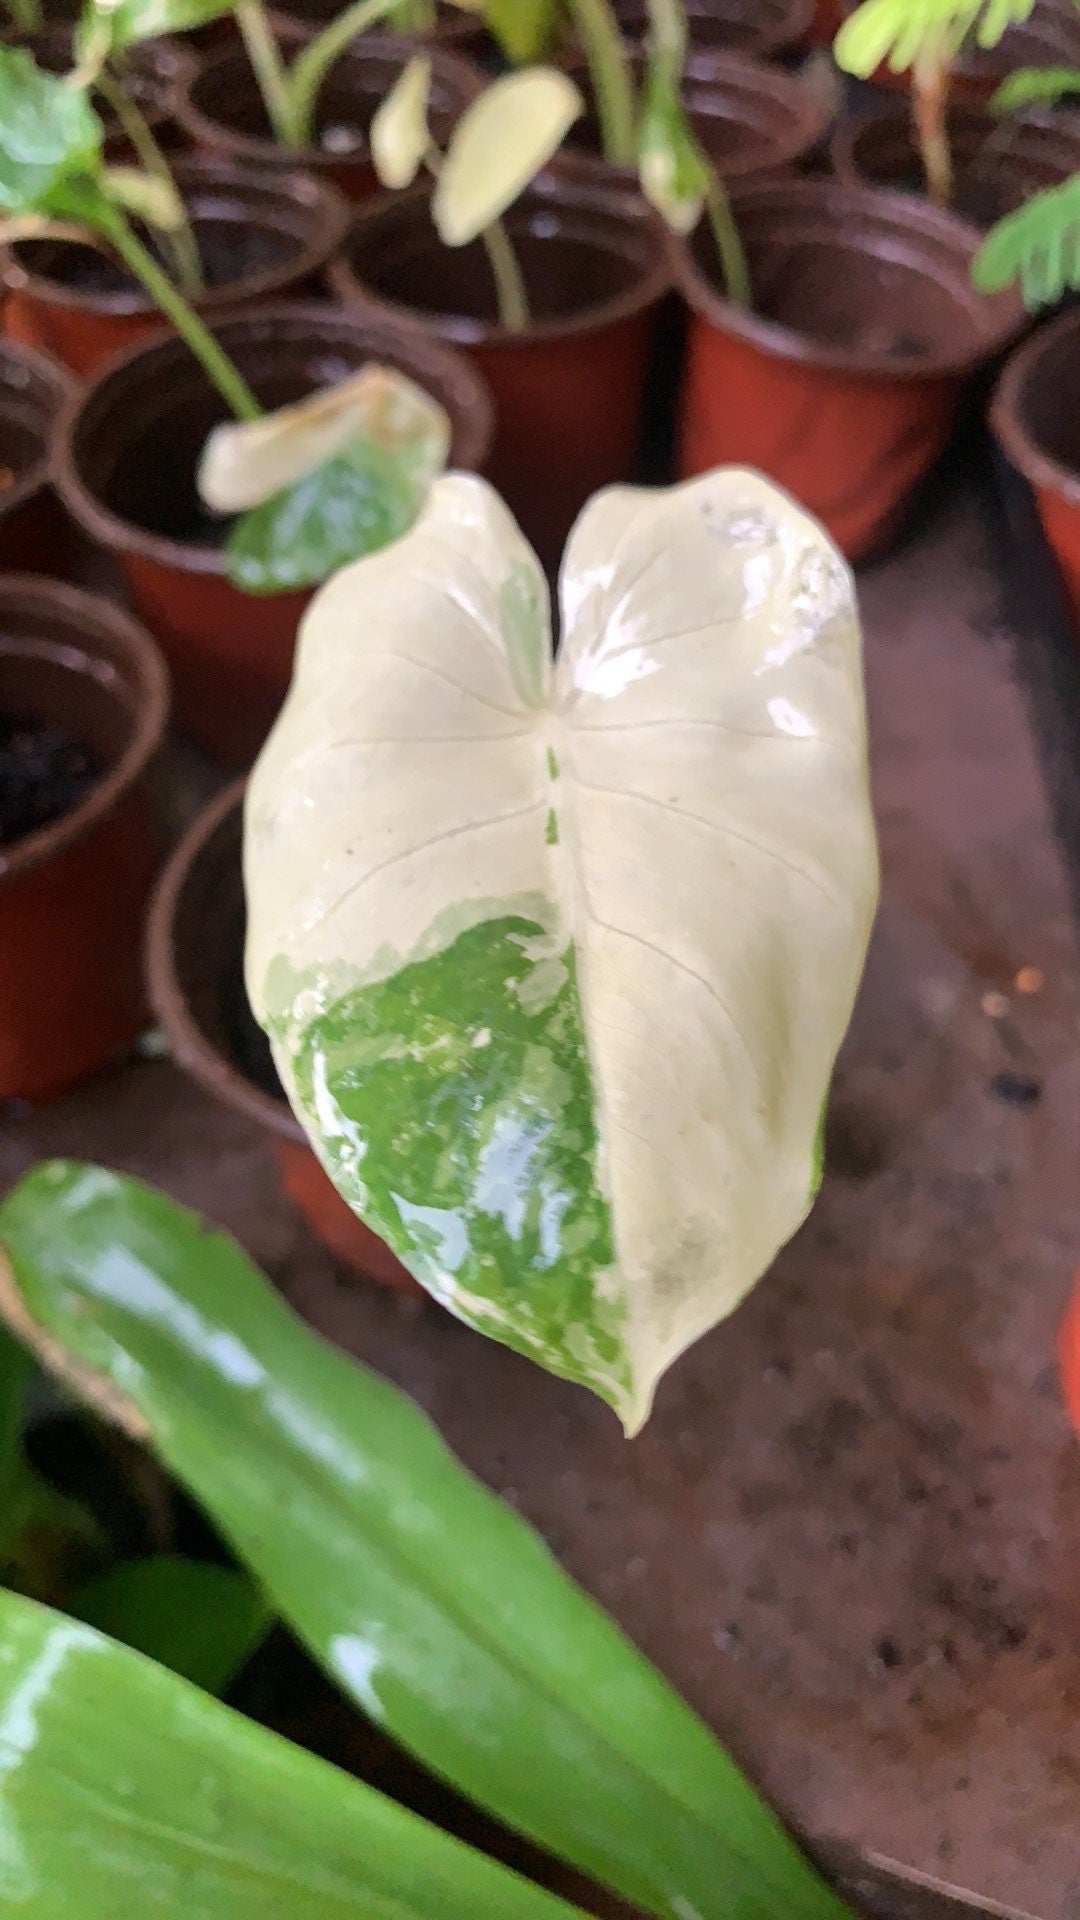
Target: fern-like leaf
<point x="911" y="32"/>
<point x="1035" y="86"/>
<point x="1039" y="246"/>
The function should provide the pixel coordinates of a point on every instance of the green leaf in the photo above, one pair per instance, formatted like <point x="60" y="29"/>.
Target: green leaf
<point x="130" y="1795"/>
<point x="524" y="29"/>
<point x="49" y="136"/>
<point x="1031" y="86"/>
<point x="201" y="1620"/>
<point x="349" y="506"/>
<point x="495" y="1035"/>
<point x="1039" y="245"/>
<point x="907" y="32"/>
<point x="105" y="30"/>
<point x="673" y="171"/>
<point x="433" y="1605"/>
<point x="16" y="1372"/>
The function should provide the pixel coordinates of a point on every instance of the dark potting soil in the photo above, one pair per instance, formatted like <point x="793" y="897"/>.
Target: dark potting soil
<point x="231" y="251"/>
<point x="44" y="773"/>
<point x="248" y="1044"/>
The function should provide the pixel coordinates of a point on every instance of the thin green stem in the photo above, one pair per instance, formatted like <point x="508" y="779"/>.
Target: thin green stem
<point x="311" y="67"/>
<point x="216" y="364"/>
<point x="509" y="280"/>
<point x="609" y="71"/>
<point x="179" y="239"/>
<point x="268" y="67"/>
<point x="729" y="245"/>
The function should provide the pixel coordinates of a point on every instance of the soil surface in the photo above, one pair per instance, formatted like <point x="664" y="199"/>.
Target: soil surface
<point x="44" y="773"/>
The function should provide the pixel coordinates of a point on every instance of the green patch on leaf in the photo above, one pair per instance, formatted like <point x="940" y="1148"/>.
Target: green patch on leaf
<point x="346" y="508"/>
<point x="456" y="1110"/>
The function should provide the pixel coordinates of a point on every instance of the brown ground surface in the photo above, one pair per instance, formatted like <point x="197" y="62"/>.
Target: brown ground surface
<point x="851" y="1531"/>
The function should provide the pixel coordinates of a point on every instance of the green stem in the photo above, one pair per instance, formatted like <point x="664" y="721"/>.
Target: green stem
<point x="180" y="239"/>
<point x="509" y="281"/>
<point x="733" y="260"/>
<point x="609" y="71"/>
<point x="311" y="67"/>
<point x="268" y="68"/>
<point x="216" y="364"/>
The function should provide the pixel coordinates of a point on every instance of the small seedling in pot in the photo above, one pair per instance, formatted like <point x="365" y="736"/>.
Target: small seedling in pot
<point x="1038" y="245"/>
<point x="926" y="38"/>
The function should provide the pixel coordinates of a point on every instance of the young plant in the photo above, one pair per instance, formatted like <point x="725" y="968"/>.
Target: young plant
<point x="431" y="1604"/>
<point x="925" y="37"/>
<point x="1038" y="245"/>
<point x="576" y="1091"/>
<point x="498" y="146"/>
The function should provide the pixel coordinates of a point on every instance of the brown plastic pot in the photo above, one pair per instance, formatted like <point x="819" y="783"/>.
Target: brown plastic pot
<point x="261" y="236"/>
<point x="35" y="533"/>
<point x="999" y="163"/>
<point x="568" y="391"/>
<point x="127" y="454"/>
<point x="194" y="967"/>
<point x="154" y="72"/>
<point x="1035" y="416"/>
<point x="761" y="27"/>
<point x="453" y="28"/>
<point x="843" y="383"/>
<point x="752" y="119"/>
<point x="221" y="109"/>
<point x="73" y="895"/>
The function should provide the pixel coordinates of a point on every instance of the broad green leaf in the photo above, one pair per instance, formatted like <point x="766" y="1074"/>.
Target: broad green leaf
<point x="433" y="1605"/>
<point x="556" y="962"/>
<point x="49" y="135"/>
<point x="201" y="1620"/>
<point x="904" y="32"/>
<point x="348" y="507"/>
<point x="524" y="29"/>
<point x="400" y="138"/>
<point x="245" y="464"/>
<point x="109" y="29"/>
<point x="498" y="146"/>
<point x="130" y="1795"/>
<point x="1039" y="246"/>
<point x="1032" y="86"/>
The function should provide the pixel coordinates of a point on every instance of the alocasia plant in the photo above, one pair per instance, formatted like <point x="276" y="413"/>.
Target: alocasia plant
<point x="555" y="960"/>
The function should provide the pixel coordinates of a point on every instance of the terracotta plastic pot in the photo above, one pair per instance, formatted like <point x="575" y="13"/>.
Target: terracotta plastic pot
<point x="843" y="383"/>
<point x="73" y="894"/>
<point x="752" y="119"/>
<point x="35" y="533"/>
<point x="194" y="960"/>
<point x="1035" y="416"/>
<point x="221" y="109"/>
<point x="762" y="27"/>
<point x="568" y="391"/>
<point x="153" y="74"/>
<point x="999" y="163"/>
<point x="827" y="19"/>
<point x="127" y="454"/>
<point x="261" y="236"/>
<point x="1069" y="1355"/>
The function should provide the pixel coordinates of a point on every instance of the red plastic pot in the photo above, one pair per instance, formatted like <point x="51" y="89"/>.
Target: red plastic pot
<point x="127" y="455"/>
<point x="36" y="535"/>
<point x="568" y="391"/>
<point x="221" y="108"/>
<point x="843" y="383"/>
<point x="1069" y="1356"/>
<point x="261" y="235"/>
<point x="73" y="894"/>
<point x="1035" y="416"/>
<point x="762" y="27"/>
<point x="194" y="963"/>
<point x="999" y="162"/>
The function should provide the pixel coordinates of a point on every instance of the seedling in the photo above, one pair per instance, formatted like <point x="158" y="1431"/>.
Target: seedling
<point x="925" y="37"/>
<point x="1038" y="245"/>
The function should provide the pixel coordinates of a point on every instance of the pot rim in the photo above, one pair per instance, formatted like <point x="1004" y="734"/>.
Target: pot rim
<point x="1007" y="422"/>
<point x="189" y="1046"/>
<point x="475" y="424"/>
<point x="837" y="205"/>
<point x="263" y="150"/>
<point x="65" y="389"/>
<point x="94" y="614"/>
<point x="583" y="193"/>
<point x="964" y="113"/>
<point x="793" y="22"/>
<point x="245" y="185"/>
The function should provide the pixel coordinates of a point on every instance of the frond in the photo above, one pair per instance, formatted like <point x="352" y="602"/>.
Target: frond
<point x="1031" y="86"/>
<point x="1039" y="246"/>
<point x="906" y="32"/>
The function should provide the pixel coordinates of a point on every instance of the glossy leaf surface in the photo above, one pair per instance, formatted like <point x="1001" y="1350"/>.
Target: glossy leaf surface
<point x="202" y="1620"/>
<point x="432" y="1604"/>
<point x="556" y="962"/>
<point x="129" y="1795"/>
